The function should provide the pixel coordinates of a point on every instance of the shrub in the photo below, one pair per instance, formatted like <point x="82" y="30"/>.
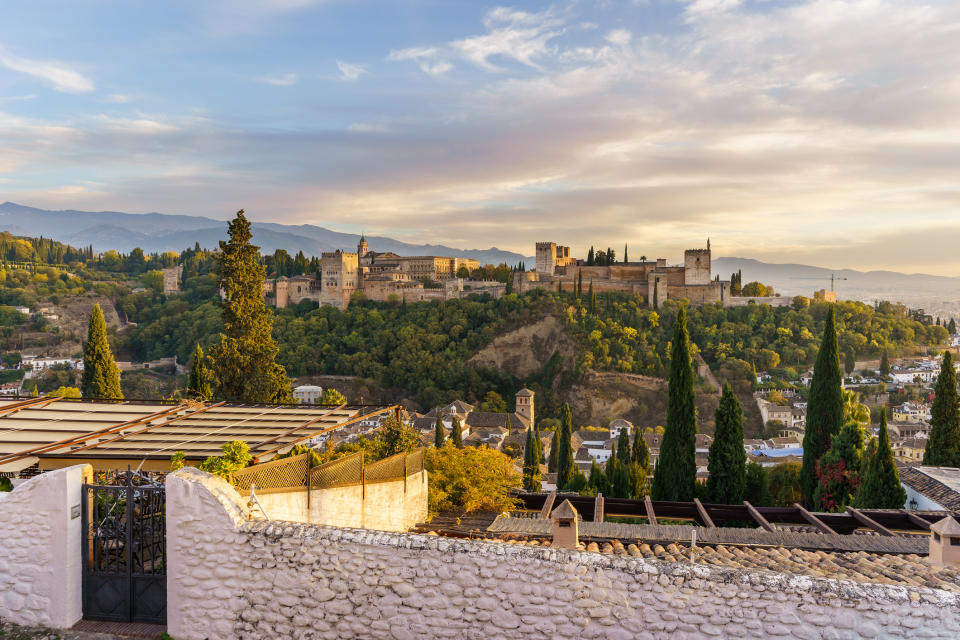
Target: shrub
<point x="470" y="479"/>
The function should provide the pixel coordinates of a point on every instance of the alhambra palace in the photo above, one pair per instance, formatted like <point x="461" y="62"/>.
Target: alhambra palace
<point x="389" y="277"/>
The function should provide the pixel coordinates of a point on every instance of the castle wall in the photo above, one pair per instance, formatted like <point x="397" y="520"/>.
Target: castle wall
<point x="696" y="263"/>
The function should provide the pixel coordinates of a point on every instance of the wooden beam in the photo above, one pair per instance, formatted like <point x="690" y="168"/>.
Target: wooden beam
<point x="867" y="521"/>
<point x="759" y="518"/>
<point x="814" y="520"/>
<point x="648" y="504"/>
<point x="297" y="428"/>
<point x="548" y="505"/>
<point x="339" y="425"/>
<point x="32" y="403"/>
<point x="917" y="520"/>
<point x="598" y="508"/>
<point x="704" y="516"/>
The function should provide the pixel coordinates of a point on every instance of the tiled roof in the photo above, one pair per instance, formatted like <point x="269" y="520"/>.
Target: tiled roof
<point x="921" y="480"/>
<point x="491" y="419"/>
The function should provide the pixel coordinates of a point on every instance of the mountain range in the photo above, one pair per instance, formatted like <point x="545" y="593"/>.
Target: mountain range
<point x="165" y="232"/>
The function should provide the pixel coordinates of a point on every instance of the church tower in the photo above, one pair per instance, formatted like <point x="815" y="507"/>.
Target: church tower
<point x="362" y="248"/>
<point x="525" y="407"/>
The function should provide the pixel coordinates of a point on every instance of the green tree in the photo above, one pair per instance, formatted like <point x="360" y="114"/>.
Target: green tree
<point x="245" y="359"/>
<point x="838" y="470"/>
<point x="728" y="460"/>
<point x="438" y="433"/>
<point x="884" y="365"/>
<point x="849" y="362"/>
<point x="456" y="434"/>
<point x="531" y="463"/>
<point x="623" y="447"/>
<point x="471" y="479"/>
<point x="952" y="327"/>
<point x="198" y="383"/>
<point x="880" y="487"/>
<point x="101" y="376"/>
<point x="554" y="451"/>
<point x="641" y="453"/>
<point x="597" y="480"/>
<point x="565" y="465"/>
<point x="824" y="406"/>
<point x="784" y="482"/>
<point x="65" y="392"/>
<point x="493" y="402"/>
<point x="236" y="456"/>
<point x="756" y="488"/>
<point x="943" y="446"/>
<point x="611" y="467"/>
<point x="621" y="480"/>
<point x="332" y="398"/>
<point x="394" y="437"/>
<point x="676" y="475"/>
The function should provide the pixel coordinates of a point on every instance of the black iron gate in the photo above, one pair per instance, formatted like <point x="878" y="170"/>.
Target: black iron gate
<point x="124" y="549"/>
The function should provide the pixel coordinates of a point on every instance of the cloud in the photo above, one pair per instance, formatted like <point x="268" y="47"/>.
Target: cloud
<point x="517" y="35"/>
<point x="118" y="98"/>
<point x="425" y="57"/>
<point x="57" y="74"/>
<point x="351" y="72"/>
<point x="283" y="80"/>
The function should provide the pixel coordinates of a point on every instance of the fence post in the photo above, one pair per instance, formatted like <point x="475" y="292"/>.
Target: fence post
<point x="405" y="455"/>
<point x="309" y="468"/>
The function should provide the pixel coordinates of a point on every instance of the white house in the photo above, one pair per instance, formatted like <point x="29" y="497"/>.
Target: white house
<point x="307" y="394"/>
<point x="618" y="425"/>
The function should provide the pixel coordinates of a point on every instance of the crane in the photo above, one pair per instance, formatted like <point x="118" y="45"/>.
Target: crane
<point x="833" y="278"/>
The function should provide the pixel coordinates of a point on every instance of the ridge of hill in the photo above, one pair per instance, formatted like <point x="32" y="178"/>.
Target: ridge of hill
<point x="159" y="232"/>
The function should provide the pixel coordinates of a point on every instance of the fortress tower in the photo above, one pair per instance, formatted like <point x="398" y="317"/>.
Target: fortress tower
<point x="362" y="248"/>
<point x="696" y="263"/>
<point x="550" y="255"/>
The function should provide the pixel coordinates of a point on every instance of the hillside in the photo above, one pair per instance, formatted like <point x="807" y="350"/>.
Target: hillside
<point x="159" y="232"/>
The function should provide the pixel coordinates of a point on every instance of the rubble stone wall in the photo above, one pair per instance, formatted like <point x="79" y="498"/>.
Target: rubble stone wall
<point x="235" y="578"/>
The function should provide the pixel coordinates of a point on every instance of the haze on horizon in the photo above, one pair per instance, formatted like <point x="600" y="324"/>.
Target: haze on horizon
<point x="819" y="132"/>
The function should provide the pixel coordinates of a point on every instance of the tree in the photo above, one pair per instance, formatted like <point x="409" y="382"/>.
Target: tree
<point x="236" y="456"/>
<point x="394" y="437"/>
<point x="784" y="482"/>
<point x="952" y="327"/>
<point x="884" y="365"/>
<point x="838" y="470"/>
<point x="554" y="450"/>
<point x="727" y="462"/>
<point x="824" y="406"/>
<point x="641" y="453"/>
<point x="623" y="447"/>
<point x="881" y="488"/>
<point x="101" y="376"/>
<point x="756" y="489"/>
<point x="65" y="392"/>
<point x="611" y="466"/>
<point x="849" y="362"/>
<point x="625" y="254"/>
<point x="677" y="466"/>
<point x="245" y="359"/>
<point x="438" y="433"/>
<point x="590" y="257"/>
<point x="493" y="402"/>
<point x="565" y="452"/>
<point x="597" y="480"/>
<point x="456" y="435"/>
<point x="332" y="398"/>
<point x="471" y="479"/>
<point x="943" y="446"/>
<point x="198" y="383"/>
<point x="531" y="464"/>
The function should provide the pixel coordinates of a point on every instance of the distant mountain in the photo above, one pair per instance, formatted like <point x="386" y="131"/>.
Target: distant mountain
<point x="164" y="232"/>
<point x="933" y="293"/>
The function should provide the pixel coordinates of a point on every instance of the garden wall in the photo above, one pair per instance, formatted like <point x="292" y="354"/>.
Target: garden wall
<point x="234" y="578"/>
<point x="40" y="544"/>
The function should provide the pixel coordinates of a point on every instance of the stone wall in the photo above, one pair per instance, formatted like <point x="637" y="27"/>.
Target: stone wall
<point x="40" y="543"/>
<point x="395" y="505"/>
<point x="232" y="578"/>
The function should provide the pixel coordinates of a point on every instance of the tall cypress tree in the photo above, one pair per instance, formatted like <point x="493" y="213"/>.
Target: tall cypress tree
<point x="565" y="452"/>
<point x="101" y="376"/>
<point x="590" y="257"/>
<point x="593" y="299"/>
<point x="579" y="283"/>
<point x="884" y="364"/>
<point x="676" y="475"/>
<point x="623" y="447"/>
<point x="641" y="452"/>
<point x="198" y="384"/>
<point x="554" y="451"/>
<point x="880" y="487"/>
<point x="824" y="407"/>
<point x="943" y="446"/>
<point x="438" y="434"/>
<point x="625" y="253"/>
<point x="611" y="467"/>
<point x="456" y="434"/>
<point x="728" y="461"/>
<point x="245" y="359"/>
<point x="531" y="463"/>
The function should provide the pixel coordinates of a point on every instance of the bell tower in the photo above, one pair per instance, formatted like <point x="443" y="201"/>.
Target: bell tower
<point x="362" y="248"/>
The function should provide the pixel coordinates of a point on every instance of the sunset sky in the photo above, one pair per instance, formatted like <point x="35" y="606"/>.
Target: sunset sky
<point x="821" y="132"/>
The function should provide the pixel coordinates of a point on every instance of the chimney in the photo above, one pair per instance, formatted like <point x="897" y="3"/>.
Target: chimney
<point x="944" y="543"/>
<point x="565" y="526"/>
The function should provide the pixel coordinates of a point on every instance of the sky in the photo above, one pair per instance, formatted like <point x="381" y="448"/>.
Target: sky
<point x="820" y="132"/>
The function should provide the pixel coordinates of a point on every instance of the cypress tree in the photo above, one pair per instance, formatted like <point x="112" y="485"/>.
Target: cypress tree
<point x="625" y="253"/>
<point x="438" y="434"/>
<point x="641" y="453"/>
<point x="590" y="257"/>
<point x="943" y="446"/>
<point x="101" y="376"/>
<point x="593" y="299"/>
<point x="597" y="480"/>
<point x="677" y="466"/>
<point x="579" y="283"/>
<point x="728" y="461"/>
<point x="611" y="467"/>
<point x="824" y="407"/>
<point x="245" y="359"/>
<point x="623" y="447"/>
<point x="456" y="435"/>
<point x="880" y="486"/>
<point x="554" y="451"/>
<point x="531" y="464"/>
<point x="952" y="326"/>
<point x="656" y="302"/>
<point x="198" y="384"/>
<point x="565" y="467"/>
<point x="849" y="362"/>
<point x="540" y="455"/>
<point x="884" y="365"/>
<point x="621" y="481"/>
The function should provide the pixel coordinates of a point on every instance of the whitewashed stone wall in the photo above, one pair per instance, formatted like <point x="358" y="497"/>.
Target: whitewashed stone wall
<point x="236" y="579"/>
<point x="40" y="543"/>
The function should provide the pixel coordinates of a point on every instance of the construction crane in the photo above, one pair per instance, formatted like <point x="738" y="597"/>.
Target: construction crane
<point x="833" y="278"/>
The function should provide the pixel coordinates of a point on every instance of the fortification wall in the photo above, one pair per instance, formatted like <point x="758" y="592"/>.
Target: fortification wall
<point x="40" y="543"/>
<point x="236" y="579"/>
